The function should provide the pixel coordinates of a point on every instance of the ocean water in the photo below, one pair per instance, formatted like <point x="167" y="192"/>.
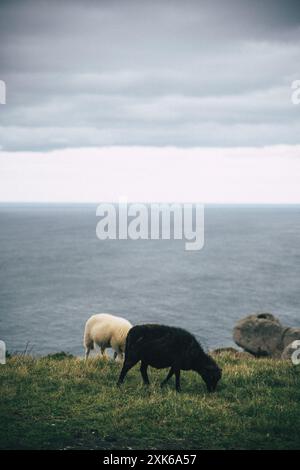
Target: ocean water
<point x="55" y="273"/>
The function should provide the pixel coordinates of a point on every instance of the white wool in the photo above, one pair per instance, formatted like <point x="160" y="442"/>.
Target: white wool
<point x="106" y="331"/>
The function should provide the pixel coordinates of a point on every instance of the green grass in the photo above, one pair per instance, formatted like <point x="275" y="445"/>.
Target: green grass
<point x="59" y="403"/>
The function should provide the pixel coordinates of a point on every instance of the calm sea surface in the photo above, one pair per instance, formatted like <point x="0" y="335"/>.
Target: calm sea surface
<point x="55" y="273"/>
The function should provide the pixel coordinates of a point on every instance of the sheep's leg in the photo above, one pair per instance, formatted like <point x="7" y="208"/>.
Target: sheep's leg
<point x="103" y="348"/>
<point x="171" y="372"/>
<point x="143" y="370"/>
<point x="119" y="356"/>
<point x="177" y="376"/>
<point x="126" y="367"/>
<point x="87" y="352"/>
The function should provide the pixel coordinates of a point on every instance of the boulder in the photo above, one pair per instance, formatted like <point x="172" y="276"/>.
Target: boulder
<point x="260" y="334"/>
<point x="290" y="335"/>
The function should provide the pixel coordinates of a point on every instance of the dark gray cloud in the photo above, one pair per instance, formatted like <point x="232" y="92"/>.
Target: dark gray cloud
<point x="85" y="73"/>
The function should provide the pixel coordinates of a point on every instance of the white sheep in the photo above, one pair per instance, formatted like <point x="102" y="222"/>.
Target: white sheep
<point x="106" y="331"/>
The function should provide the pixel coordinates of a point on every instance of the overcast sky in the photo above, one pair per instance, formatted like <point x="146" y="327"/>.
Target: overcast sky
<point x="148" y="74"/>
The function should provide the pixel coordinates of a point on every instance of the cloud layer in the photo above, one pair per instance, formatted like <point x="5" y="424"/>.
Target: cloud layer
<point x="195" y="73"/>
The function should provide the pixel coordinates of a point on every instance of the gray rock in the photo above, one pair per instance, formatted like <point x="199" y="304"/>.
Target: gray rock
<point x="260" y="334"/>
<point x="290" y="335"/>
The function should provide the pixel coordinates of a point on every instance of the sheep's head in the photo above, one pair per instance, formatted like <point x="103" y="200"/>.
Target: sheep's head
<point x="211" y="374"/>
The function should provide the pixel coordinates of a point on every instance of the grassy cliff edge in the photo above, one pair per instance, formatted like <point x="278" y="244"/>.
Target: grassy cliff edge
<point x="60" y="404"/>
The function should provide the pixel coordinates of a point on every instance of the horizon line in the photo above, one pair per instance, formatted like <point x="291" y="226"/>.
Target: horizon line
<point x="150" y="202"/>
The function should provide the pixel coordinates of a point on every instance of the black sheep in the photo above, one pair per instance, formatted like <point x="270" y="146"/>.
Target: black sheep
<point x="163" y="346"/>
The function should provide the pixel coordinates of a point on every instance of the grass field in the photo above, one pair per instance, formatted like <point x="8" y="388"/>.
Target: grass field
<point x="50" y="403"/>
